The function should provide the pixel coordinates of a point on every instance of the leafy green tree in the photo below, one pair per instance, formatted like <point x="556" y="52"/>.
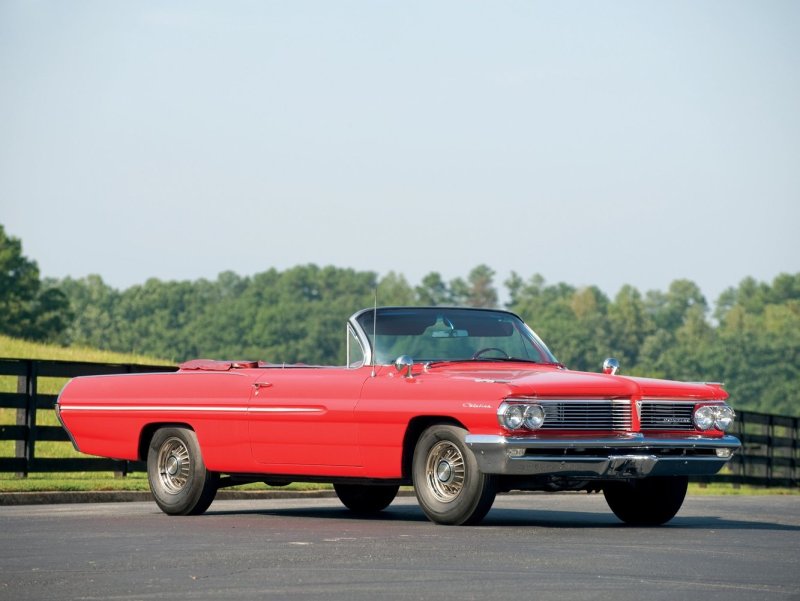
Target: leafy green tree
<point x="585" y="340"/>
<point x="28" y="309"/>
<point x="93" y="302"/>
<point x="459" y="291"/>
<point x="629" y="324"/>
<point x="753" y="343"/>
<point x="51" y="314"/>
<point x="394" y="289"/>
<point x="755" y="348"/>
<point x="571" y="321"/>
<point x="481" y="292"/>
<point x="757" y="352"/>
<point x="19" y="285"/>
<point x="433" y="291"/>
<point x="669" y="309"/>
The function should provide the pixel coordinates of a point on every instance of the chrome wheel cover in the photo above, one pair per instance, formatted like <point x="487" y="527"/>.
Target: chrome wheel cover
<point x="174" y="465"/>
<point x="445" y="471"/>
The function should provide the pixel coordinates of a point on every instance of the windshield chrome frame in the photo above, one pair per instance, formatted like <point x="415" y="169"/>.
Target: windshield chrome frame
<point x="365" y="350"/>
<point x="363" y="338"/>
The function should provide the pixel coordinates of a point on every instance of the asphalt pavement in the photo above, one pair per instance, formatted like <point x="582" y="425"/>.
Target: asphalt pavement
<point x="535" y="546"/>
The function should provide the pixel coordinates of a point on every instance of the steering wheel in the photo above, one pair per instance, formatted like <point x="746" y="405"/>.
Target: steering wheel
<point x="477" y="354"/>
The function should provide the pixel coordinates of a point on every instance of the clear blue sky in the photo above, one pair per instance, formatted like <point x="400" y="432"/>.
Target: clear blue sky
<point x="592" y="142"/>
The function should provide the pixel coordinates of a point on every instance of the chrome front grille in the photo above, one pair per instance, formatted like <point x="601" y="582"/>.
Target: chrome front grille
<point x="666" y="415"/>
<point x="586" y="415"/>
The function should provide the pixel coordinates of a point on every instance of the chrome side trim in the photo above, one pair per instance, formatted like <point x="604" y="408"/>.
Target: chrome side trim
<point x="193" y="408"/>
<point x="154" y="408"/>
<point x="286" y="410"/>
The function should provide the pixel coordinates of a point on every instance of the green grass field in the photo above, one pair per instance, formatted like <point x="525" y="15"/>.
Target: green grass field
<point x="78" y="481"/>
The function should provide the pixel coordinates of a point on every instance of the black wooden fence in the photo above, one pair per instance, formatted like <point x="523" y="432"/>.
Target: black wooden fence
<point x="28" y="402"/>
<point x="770" y="454"/>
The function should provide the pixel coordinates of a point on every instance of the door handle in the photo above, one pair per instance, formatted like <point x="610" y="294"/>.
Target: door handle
<point x="259" y="385"/>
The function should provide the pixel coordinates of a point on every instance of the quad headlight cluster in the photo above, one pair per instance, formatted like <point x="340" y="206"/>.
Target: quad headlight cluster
<point x="520" y="416"/>
<point x="531" y="416"/>
<point x="707" y="417"/>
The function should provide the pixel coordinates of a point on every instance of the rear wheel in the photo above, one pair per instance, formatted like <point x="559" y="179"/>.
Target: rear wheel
<point x="449" y="486"/>
<point x="646" y="502"/>
<point x="179" y="480"/>
<point x="366" y="498"/>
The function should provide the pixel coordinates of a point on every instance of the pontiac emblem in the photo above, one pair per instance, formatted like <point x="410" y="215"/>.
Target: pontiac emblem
<point x="676" y="420"/>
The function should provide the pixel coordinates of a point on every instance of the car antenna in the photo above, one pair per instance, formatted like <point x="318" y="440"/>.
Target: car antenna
<point x="374" y="331"/>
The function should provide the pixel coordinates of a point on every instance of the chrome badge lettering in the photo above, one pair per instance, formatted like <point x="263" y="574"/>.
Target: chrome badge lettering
<point x="675" y="420"/>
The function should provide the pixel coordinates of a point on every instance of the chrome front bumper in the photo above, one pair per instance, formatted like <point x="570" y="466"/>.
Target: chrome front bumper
<point x="616" y="457"/>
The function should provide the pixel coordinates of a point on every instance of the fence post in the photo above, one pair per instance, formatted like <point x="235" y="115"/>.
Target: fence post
<point x="770" y="450"/>
<point x="123" y="471"/>
<point x="740" y="458"/>
<point x="793" y="464"/>
<point x="26" y="385"/>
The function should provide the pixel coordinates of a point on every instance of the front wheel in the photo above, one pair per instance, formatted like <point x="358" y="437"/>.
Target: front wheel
<point x="449" y="486"/>
<point x="178" y="478"/>
<point x="366" y="499"/>
<point x="646" y="502"/>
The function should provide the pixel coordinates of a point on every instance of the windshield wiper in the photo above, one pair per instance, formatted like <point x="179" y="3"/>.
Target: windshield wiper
<point x="482" y="360"/>
<point x="507" y="359"/>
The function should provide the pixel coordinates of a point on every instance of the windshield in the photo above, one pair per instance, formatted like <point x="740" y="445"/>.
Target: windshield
<point x="442" y="334"/>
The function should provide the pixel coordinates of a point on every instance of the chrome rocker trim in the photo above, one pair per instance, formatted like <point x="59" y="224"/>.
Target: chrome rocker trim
<point x="622" y="457"/>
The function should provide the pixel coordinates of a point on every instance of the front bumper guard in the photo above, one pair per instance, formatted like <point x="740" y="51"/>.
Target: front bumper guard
<point x="616" y="457"/>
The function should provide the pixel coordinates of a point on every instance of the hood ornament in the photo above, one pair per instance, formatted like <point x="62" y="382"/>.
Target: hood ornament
<point x="610" y="366"/>
<point x="404" y="362"/>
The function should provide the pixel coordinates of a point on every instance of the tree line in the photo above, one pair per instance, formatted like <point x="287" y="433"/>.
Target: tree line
<point x="749" y="339"/>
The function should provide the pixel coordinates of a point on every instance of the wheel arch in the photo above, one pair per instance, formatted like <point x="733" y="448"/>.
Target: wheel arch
<point x="146" y="435"/>
<point x="414" y="430"/>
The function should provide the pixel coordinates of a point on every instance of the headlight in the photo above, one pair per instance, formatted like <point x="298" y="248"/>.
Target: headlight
<point x="724" y="417"/>
<point x="704" y="417"/>
<point x="513" y="416"/>
<point x="714" y="416"/>
<point x="534" y="417"/>
<point x="516" y="416"/>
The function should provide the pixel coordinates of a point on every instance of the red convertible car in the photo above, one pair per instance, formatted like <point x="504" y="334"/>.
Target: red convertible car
<point x="460" y="403"/>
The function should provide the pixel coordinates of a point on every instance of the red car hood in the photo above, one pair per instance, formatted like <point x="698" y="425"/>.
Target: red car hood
<point x="552" y="382"/>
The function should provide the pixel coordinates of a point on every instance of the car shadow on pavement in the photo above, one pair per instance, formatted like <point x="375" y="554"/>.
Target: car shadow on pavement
<point x="502" y="517"/>
<point x="401" y="513"/>
<point x="578" y="519"/>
